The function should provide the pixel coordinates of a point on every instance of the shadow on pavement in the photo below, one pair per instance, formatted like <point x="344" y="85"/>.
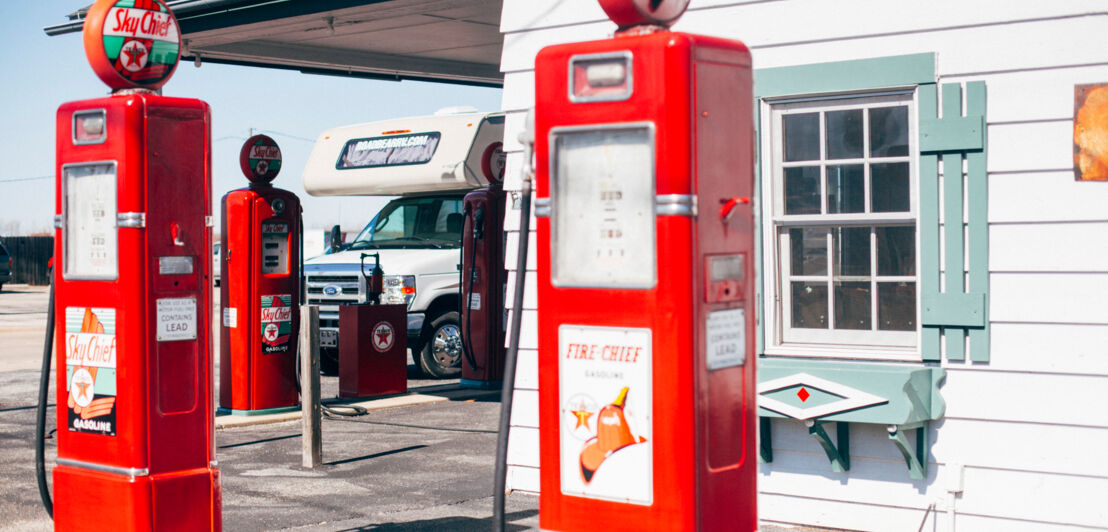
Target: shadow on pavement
<point x="458" y="524"/>
<point x="375" y="455"/>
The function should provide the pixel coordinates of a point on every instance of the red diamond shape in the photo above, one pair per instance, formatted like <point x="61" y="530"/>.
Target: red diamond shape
<point x="803" y="394"/>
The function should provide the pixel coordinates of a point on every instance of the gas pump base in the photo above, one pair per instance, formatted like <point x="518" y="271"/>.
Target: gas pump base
<point x="480" y="385"/>
<point x="258" y="412"/>
<point x="373" y="350"/>
<point x="86" y="499"/>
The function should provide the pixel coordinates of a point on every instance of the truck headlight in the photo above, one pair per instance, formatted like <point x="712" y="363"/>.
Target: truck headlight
<point x="399" y="290"/>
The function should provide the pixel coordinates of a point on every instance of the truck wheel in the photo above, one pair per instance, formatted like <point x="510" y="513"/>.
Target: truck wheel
<point x="441" y="356"/>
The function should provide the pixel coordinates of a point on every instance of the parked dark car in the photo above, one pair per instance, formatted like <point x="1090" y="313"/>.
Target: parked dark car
<point x="5" y="266"/>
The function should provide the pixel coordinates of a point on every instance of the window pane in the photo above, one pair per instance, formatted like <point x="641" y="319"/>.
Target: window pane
<point x="896" y="306"/>
<point x="802" y="190"/>
<point x="809" y="305"/>
<point x="851" y="251"/>
<point x="801" y="137"/>
<point x="844" y="134"/>
<point x="852" y="305"/>
<point x="889" y="187"/>
<point x="809" y="251"/>
<point x="888" y="131"/>
<point x="846" y="188"/>
<point x="896" y="250"/>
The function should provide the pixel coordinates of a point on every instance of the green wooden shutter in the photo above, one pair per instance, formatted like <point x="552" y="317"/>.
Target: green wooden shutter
<point x="958" y="309"/>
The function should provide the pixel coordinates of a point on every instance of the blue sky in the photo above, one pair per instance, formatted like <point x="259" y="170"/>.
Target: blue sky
<point x="41" y="72"/>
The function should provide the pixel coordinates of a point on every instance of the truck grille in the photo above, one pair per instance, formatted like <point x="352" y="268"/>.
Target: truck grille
<point x="349" y="284"/>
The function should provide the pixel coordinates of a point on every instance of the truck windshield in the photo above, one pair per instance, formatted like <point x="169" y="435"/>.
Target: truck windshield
<point x="419" y="222"/>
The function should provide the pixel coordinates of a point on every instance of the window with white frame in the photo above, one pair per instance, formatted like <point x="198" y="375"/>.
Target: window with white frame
<point x="840" y="222"/>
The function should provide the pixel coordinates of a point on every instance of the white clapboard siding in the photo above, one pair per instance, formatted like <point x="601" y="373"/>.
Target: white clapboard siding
<point x="1043" y="398"/>
<point x="519" y="90"/>
<point x="962" y="50"/>
<point x="1072" y="247"/>
<point x="866" y="441"/>
<point x="811" y="17"/>
<point x="796" y="510"/>
<point x="869" y="481"/>
<point x="1032" y="496"/>
<point x="523" y="478"/>
<point x="511" y="251"/>
<point x="1049" y="348"/>
<point x="1044" y="497"/>
<point x="1021" y="446"/>
<point x="523" y="447"/>
<point x="525" y="408"/>
<point x="528" y="326"/>
<point x="1026" y="446"/>
<point x="1031" y="146"/>
<point x="530" y="288"/>
<point x="1045" y="197"/>
<point x="792" y="510"/>
<point x="527" y="369"/>
<point x="1010" y="93"/>
<point x="1049" y="297"/>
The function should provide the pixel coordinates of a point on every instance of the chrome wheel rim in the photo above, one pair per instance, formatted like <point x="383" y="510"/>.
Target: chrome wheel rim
<point x="446" y="346"/>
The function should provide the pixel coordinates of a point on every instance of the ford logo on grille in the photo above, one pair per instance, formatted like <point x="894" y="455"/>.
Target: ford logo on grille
<point x="332" y="290"/>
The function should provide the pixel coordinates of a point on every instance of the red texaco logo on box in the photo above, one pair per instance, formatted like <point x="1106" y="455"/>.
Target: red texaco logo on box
<point x="383" y="336"/>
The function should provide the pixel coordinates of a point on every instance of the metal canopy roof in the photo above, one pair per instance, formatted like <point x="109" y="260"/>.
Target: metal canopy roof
<point x="452" y="41"/>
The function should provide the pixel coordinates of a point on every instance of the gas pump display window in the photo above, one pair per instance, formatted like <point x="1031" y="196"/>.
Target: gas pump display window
<point x="844" y="207"/>
<point x="89" y="200"/>
<point x="275" y="247"/>
<point x="603" y="207"/>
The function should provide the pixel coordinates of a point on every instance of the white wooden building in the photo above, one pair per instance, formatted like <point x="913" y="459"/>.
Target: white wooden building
<point x="990" y="337"/>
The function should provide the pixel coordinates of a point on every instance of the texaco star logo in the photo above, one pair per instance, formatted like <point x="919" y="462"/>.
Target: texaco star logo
<point x="383" y="336"/>
<point x="134" y="55"/>
<point x="81" y="384"/>
<point x="270" y="332"/>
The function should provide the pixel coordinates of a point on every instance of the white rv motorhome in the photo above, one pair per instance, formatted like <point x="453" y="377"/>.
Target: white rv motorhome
<point x="431" y="163"/>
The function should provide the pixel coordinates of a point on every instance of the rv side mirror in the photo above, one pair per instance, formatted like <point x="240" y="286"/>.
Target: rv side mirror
<point x="336" y="238"/>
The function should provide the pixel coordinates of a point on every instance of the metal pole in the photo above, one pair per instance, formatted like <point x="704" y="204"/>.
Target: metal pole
<point x="311" y="413"/>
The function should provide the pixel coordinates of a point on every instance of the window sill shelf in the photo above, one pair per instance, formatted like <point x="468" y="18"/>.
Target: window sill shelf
<point x="900" y="396"/>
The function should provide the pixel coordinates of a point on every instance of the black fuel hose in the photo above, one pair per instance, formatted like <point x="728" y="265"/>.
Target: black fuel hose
<point x="507" y="388"/>
<point x="43" y="397"/>
<point x="467" y="345"/>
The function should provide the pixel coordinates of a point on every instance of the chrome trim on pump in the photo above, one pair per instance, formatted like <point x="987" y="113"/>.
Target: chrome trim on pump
<point x="542" y="207"/>
<point x="125" y="471"/>
<point x="675" y="205"/>
<point x="133" y="220"/>
<point x="58" y="221"/>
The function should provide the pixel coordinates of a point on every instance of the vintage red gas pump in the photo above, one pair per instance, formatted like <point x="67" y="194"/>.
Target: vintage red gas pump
<point x="644" y="146"/>
<point x="484" y="278"/>
<point x="133" y="203"/>
<point x="260" y="287"/>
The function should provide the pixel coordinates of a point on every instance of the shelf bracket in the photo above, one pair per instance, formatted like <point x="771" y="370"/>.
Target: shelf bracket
<point x="914" y="456"/>
<point x="765" y="440"/>
<point x="838" y="452"/>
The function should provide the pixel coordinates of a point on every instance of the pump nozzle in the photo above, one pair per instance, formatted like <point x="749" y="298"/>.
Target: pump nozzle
<point x="479" y="223"/>
<point x="375" y="281"/>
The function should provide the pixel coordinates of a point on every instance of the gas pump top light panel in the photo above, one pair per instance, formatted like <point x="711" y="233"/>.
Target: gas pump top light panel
<point x="260" y="159"/>
<point x="629" y="13"/>
<point x="132" y="44"/>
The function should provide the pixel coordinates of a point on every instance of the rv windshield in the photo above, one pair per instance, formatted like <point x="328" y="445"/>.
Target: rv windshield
<point x="417" y="222"/>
